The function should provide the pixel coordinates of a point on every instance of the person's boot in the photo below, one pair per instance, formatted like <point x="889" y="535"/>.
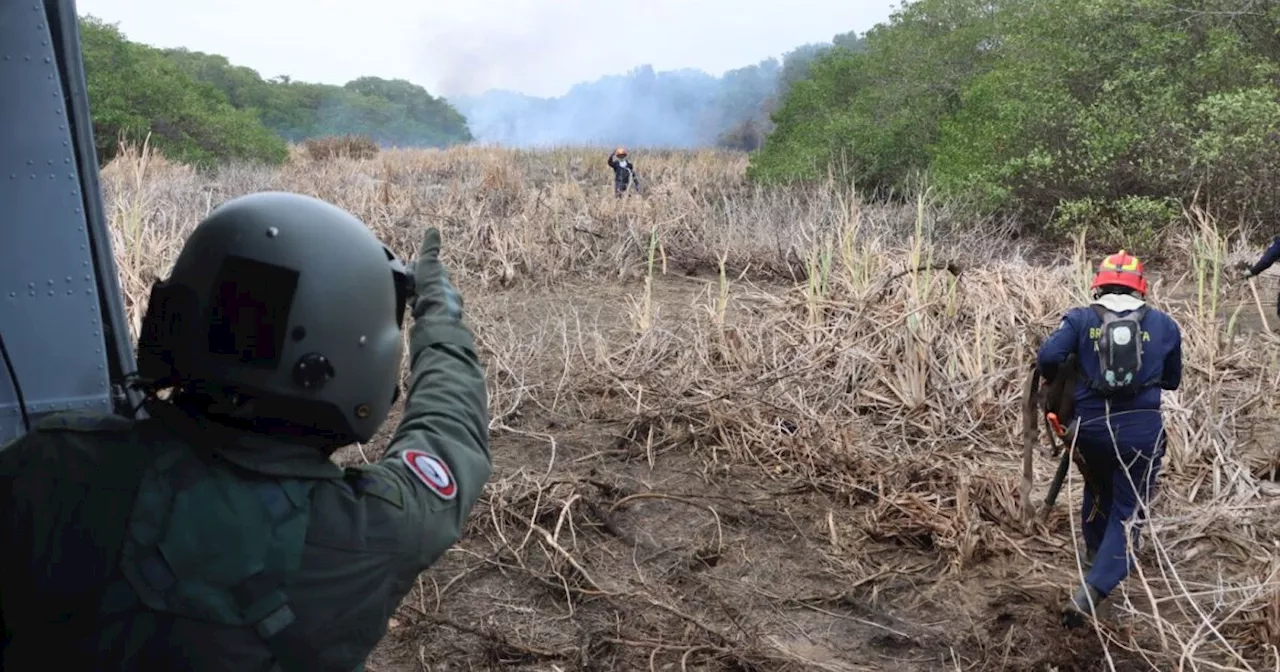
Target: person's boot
<point x="1085" y="556"/>
<point x="1081" y="606"/>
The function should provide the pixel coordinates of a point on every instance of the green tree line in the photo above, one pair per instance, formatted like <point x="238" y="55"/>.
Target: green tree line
<point x="1113" y="113"/>
<point x="199" y="108"/>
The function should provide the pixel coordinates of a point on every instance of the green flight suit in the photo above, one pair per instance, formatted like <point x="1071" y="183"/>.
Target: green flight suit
<point x="68" y="487"/>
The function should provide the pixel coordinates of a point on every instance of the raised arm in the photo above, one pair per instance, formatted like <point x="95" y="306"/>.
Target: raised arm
<point x="439" y="454"/>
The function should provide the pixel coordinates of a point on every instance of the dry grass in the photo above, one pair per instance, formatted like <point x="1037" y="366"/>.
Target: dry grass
<point x="340" y="147"/>
<point x="740" y="429"/>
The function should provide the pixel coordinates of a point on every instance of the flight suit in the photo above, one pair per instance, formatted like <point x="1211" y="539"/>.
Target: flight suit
<point x="1121" y="439"/>
<point x="70" y="528"/>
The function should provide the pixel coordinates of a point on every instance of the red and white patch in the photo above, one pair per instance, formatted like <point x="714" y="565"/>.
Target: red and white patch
<point x="433" y="471"/>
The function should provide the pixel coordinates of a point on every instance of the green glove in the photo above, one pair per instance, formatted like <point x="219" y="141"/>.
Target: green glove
<point x="436" y="294"/>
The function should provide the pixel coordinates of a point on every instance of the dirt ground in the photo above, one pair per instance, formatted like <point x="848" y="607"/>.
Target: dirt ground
<point x="594" y="550"/>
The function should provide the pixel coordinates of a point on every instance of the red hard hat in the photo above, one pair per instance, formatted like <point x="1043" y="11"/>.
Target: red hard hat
<point x="1121" y="269"/>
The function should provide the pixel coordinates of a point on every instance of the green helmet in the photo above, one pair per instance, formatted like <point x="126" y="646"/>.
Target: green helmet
<point x="292" y="307"/>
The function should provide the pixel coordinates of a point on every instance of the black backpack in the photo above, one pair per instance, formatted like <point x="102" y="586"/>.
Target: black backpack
<point x="1119" y="350"/>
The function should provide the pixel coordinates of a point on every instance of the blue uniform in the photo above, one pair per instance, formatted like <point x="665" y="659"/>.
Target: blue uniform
<point x="1121" y="439"/>
<point x="1270" y="257"/>
<point x="623" y="172"/>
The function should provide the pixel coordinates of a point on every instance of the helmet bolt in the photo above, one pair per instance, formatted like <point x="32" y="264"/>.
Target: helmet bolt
<point x="312" y="371"/>
<point x="272" y="232"/>
<point x="362" y="411"/>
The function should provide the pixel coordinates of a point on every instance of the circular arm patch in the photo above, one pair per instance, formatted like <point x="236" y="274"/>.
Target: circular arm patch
<point x="432" y="471"/>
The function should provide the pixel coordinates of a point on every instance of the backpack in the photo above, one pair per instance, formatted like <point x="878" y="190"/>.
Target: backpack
<point x="1119" y="350"/>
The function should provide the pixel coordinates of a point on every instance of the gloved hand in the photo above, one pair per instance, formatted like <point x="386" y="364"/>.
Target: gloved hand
<point x="436" y="293"/>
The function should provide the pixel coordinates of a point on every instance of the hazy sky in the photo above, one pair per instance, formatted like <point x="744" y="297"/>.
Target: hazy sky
<point x="539" y="47"/>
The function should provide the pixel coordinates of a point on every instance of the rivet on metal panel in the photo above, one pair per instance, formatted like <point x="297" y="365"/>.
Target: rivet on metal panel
<point x="31" y="285"/>
<point x="51" y="292"/>
<point x="49" y="282"/>
<point x="31" y="293"/>
<point x="70" y="292"/>
<point x="13" y="295"/>
<point x="30" y="162"/>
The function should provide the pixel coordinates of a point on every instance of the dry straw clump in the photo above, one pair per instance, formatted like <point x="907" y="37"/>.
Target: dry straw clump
<point x="724" y="415"/>
<point x="340" y="147"/>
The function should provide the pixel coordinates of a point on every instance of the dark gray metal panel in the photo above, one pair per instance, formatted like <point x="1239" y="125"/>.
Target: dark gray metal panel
<point x="121" y="364"/>
<point x="50" y="315"/>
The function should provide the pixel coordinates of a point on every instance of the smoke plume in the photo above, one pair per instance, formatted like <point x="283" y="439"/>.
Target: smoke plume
<point x="644" y="108"/>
